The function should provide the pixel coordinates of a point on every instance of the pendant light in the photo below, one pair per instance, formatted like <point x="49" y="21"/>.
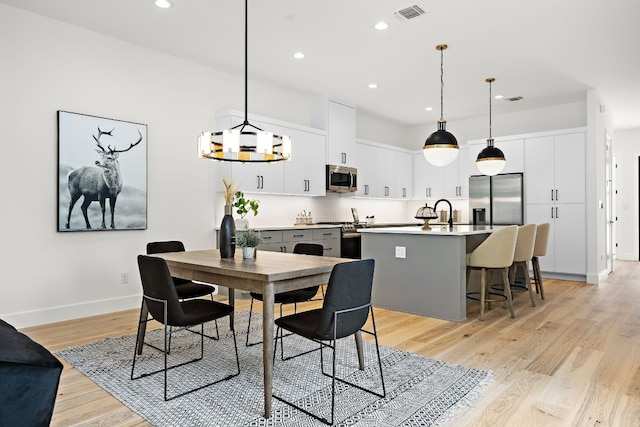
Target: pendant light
<point x="491" y="159"/>
<point x="244" y="142"/>
<point x="441" y="148"/>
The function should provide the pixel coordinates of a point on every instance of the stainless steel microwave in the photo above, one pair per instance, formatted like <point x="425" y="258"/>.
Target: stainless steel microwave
<point x="341" y="179"/>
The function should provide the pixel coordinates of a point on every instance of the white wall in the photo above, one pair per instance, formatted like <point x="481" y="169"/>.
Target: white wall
<point x="626" y="150"/>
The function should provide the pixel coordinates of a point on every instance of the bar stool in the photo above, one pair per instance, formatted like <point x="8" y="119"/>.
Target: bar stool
<point x="521" y="257"/>
<point x="540" y="249"/>
<point x="494" y="254"/>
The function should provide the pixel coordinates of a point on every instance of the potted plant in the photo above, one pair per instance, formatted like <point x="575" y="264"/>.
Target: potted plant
<point x="244" y="206"/>
<point x="248" y="239"/>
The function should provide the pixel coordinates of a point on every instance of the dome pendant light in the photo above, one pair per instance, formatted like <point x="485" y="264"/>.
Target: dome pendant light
<point x="244" y="143"/>
<point x="491" y="159"/>
<point x="441" y="148"/>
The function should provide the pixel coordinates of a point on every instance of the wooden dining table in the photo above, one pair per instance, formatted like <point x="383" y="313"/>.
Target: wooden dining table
<point x="268" y="273"/>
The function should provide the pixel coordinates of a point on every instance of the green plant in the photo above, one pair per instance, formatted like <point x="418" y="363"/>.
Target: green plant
<point x="243" y="205"/>
<point x="249" y="237"/>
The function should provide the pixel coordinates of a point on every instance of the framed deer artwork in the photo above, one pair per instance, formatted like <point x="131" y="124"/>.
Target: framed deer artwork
<point x="102" y="173"/>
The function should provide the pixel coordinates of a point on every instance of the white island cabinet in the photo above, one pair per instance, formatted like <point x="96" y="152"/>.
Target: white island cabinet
<point x="422" y="272"/>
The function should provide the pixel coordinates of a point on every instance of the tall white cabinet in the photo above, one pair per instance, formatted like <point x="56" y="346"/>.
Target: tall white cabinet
<point x="555" y="193"/>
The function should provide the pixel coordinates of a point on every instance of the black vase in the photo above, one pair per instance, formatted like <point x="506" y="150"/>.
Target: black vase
<point x="227" y="234"/>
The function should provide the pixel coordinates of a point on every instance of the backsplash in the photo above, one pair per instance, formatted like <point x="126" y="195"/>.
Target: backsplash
<point x="281" y="211"/>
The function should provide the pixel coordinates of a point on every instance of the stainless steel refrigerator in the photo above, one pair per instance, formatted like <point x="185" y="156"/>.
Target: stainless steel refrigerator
<point x="496" y="200"/>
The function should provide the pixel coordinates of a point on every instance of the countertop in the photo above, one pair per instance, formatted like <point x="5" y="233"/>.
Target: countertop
<point x="439" y="230"/>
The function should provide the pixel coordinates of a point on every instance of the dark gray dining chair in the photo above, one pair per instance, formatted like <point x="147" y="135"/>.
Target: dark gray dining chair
<point x="291" y="297"/>
<point x="346" y="309"/>
<point x="187" y="289"/>
<point x="162" y="302"/>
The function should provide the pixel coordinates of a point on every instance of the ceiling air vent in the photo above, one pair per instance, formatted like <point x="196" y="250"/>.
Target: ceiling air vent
<point x="409" y="12"/>
<point x="514" y="98"/>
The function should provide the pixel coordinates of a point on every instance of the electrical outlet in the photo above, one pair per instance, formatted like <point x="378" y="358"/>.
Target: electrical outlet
<point x="124" y="278"/>
<point x="401" y="252"/>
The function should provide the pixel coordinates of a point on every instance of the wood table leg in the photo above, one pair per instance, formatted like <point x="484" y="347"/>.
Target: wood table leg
<point x="358" y="336"/>
<point x="267" y="345"/>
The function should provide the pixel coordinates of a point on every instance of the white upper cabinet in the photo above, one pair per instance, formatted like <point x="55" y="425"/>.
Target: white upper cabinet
<point x="555" y="168"/>
<point x="513" y="150"/>
<point x="304" y="174"/>
<point x="339" y="120"/>
<point x="383" y="172"/>
<point x="427" y="179"/>
<point x="455" y="176"/>
<point x="403" y="188"/>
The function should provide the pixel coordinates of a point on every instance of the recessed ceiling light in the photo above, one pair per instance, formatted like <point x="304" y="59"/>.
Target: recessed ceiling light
<point x="428" y="109"/>
<point x="298" y="55"/>
<point x="164" y="4"/>
<point x="373" y="85"/>
<point x="499" y="96"/>
<point x="381" y="26"/>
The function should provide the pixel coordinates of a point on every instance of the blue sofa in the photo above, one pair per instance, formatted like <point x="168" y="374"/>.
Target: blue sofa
<point x="29" y="377"/>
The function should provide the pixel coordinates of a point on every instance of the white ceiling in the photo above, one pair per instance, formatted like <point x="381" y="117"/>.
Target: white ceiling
<point x="547" y="51"/>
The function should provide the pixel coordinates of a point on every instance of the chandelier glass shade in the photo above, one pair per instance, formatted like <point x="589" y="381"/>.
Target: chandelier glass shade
<point x="441" y="147"/>
<point x="244" y="142"/>
<point x="491" y="160"/>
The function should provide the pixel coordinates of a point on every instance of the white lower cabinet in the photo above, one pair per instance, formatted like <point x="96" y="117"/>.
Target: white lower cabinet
<point x="566" y="252"/>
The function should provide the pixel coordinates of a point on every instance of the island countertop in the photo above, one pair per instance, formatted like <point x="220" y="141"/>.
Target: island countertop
<point x="438" y="230"/>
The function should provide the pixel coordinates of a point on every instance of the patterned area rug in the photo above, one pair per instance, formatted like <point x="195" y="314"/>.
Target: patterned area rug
<point x="420" y="391"/>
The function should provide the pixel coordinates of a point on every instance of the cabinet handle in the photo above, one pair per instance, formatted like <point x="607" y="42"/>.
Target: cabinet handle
<point x="258" y="185"/>
<point x="266" y="237"/>
<point x="556" y="194"/>
<point x="386" y="191"/>
<point x="298" y="235"/>
<point x="327" y="234"/>
<point x="261" y="182"/>
<point x="366" y="189"/>
<point x="552" y="212"/>
<point x="552" y="194"/>
<point x="556" y="212"/>
<point x="308" y="185"/>
<point x="327" y="249"/>
<point x="404" y="192"/>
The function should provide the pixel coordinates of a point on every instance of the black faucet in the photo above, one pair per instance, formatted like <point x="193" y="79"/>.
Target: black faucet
<point x="450" y="211"/>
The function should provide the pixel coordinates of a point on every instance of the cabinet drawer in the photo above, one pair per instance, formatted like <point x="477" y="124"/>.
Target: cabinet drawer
<point x="331" y="247"/>
<point x="271" y="236"/>
<point x="296" y="235"/>
<point x="326" y="233"/>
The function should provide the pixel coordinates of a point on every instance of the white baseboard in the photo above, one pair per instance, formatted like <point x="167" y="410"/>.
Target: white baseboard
<point x="68" y="312"/>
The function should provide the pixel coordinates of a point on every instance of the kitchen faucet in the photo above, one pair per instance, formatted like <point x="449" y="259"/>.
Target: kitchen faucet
<point x="450" y="211"/>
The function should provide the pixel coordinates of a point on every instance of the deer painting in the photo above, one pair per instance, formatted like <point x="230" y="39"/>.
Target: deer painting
<point x="98" y="183"/>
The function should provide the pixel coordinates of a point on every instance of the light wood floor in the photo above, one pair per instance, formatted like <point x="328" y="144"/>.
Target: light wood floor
<point x="574" y="360"/>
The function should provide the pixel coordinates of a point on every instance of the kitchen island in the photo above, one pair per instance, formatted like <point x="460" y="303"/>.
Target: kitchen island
<point x="422" y="271"/>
